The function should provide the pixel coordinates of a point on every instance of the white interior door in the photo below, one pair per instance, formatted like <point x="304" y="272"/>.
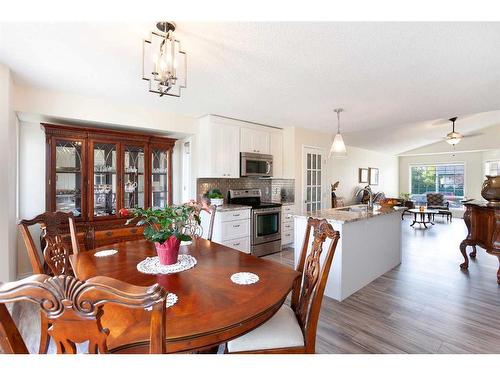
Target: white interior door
<point x="313" y="162"/>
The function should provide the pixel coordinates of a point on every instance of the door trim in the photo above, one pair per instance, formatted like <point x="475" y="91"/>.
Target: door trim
<point x="322" y="151"/>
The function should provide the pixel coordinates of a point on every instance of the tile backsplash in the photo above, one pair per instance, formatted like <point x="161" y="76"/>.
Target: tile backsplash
<point x="276" y="190"/>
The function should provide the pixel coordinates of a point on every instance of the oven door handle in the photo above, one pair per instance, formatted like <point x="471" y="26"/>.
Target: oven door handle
<point x="268" y="164"/>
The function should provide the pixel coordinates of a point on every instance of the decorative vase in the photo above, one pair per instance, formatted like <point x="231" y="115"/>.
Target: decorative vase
<point x="168" y="251"/>
<point x="217" y="201"/>
<point x="491" y="190"/>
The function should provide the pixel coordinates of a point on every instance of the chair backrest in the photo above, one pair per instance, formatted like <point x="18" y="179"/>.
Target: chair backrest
<point x="74" y="309"/>
<point x="435" y="199"/>
<point x="213" y="210"/>
<point x="194" y="229"/>
<point x="56" y="251"/>
<point x="309" y="289"/>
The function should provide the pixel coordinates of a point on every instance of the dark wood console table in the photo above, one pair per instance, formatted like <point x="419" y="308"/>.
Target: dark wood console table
<point x="483" y="224"/>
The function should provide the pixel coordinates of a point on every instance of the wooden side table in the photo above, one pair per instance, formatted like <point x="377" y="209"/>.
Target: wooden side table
<point x="483" y="225"/>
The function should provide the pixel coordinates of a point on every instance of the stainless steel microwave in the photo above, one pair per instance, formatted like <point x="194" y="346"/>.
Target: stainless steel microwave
<point x="256" y="165"/>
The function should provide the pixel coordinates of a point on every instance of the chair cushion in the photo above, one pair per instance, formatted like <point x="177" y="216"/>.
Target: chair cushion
<point x="281" y="331"/>
<point x="435" y="199"/>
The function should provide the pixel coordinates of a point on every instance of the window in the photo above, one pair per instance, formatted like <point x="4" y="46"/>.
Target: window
<point x="492" y="168"/>
<point x="447" y="179"/>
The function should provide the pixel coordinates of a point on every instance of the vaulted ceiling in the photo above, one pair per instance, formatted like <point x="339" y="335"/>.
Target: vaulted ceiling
<point x="395" y="80"/>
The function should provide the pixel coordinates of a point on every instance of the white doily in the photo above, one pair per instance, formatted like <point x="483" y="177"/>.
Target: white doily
<point x="105" y="253"/>
<point x="152" y="265"/>
<point x="171" y="300"/>
<point x="244" y="278"/>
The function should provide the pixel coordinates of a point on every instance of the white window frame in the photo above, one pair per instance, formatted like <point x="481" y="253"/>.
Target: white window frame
<point x="489" y="161"/>
<point x="435" y="165"/>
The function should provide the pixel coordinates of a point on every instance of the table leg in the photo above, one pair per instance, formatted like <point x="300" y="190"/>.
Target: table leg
<point x="473" y="253"/>
<point x="414" y="219"/>
<point x="422" y="220"/>
<point x="463" y="250"/>
<point x="433" y="218"/>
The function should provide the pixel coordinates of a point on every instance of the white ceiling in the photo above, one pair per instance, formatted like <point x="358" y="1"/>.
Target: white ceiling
<point x="393" y="79"/>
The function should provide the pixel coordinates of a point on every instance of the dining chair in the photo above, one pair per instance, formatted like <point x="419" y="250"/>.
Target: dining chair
<point x="213" y="210"/>
<point x="75" y="309"/>
<point x="195" y="230"/>
<point x="55" y="253"/>
<point x="293" y="329"/>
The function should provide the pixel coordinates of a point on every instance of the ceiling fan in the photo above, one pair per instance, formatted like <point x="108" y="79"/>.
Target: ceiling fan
<point x="453" y="137"/>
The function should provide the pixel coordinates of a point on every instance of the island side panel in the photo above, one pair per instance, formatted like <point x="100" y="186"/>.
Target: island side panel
<point x="370" y="249"/>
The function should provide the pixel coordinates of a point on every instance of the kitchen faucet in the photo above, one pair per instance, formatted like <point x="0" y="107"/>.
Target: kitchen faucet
<point x="370" y="197"/>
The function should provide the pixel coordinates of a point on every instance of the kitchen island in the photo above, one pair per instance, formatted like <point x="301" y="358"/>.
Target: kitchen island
<point x="369" y="245"/>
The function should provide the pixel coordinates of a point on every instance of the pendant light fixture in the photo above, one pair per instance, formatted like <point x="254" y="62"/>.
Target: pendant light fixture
<point x="338" y="149"/>
<point x="164" y="64"/>
<point x="453" y="137"/>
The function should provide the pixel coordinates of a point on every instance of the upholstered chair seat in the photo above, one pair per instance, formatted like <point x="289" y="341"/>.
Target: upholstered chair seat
<point x="281" y="331"/>
<point x="293" y="329"/>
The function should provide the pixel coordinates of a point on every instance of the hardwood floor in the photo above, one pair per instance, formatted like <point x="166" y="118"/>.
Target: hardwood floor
<point x="425" y="305"/>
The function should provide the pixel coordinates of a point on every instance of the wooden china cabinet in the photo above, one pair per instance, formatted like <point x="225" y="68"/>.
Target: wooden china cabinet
<point x="93" y="173"/>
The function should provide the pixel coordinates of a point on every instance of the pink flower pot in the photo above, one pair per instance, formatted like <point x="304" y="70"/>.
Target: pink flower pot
<point x="168" y="251"/>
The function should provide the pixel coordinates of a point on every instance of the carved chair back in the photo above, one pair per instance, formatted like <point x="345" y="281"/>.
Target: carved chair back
<point x="57" y="247"/>
<point x="74" y="309"/>
<point x="195" y="230"/>
<point x="308" y="291"/>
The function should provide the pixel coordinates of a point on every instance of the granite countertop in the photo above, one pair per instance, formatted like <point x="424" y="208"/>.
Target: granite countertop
<point x="287" y="203"/>
<point x="339" y="215"/>
<point x="232" y="207"/>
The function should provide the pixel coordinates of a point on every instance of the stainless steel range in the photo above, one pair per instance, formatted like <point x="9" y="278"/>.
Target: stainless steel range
<point x="266" y="221"/>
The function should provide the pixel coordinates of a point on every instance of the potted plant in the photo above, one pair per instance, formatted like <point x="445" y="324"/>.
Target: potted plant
<point x="166" y="227"/>
<point x="216" y="197"/>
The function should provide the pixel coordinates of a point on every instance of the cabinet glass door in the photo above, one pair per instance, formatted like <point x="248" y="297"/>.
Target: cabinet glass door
<point x="68" y="176"/>
<point x="105" y="178"/>
<point x="159" y="178"/>
<point x="133" y="181"/>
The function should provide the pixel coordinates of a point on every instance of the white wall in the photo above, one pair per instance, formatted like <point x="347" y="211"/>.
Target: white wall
<point x="347" y="172"/>
<point x="8" y="171"/>
<point x="37" y="103"/>
<point x="474" y="169"/>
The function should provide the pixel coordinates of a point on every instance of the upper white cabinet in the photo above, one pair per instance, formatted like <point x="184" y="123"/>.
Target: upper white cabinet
<point x="276" y="150"/>
<point x="218" y="149"/>
<point x="220" y="140"/>
<point x="256" y="141"/>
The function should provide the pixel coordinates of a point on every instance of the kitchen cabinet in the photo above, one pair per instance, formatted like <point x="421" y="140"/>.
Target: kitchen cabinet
<point x="218" y="149"/>
<point x="287" y="232"/>
<point x="276" y="150"/>
<point x="255" y="141"/>
<point x="231" y="228"/>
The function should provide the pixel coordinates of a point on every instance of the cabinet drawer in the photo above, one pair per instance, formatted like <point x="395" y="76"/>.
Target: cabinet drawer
<point x="235" y="229"/>
<point x="287" y="214"/>
<point x="241" y="244"/>
<point x="287" y="226"/>
<point x="233" y="215"/>
<point x="287" y="237"/>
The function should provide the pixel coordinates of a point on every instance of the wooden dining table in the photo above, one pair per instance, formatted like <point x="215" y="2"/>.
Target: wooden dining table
<point x="210" y="310"/>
